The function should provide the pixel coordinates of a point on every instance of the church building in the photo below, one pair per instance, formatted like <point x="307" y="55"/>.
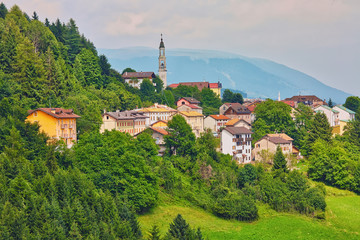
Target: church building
<point x="162" y="62"/>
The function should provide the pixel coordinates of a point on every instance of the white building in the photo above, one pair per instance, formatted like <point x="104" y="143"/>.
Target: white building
<point x="345" y="114"/>
<point x="331" y="114"/>
<point x="135" y="79"/>
<point x="236" y="141"/>
<point x="162" y="62"/>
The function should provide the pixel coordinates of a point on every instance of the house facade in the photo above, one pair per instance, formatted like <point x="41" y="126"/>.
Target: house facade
<point x="215" y="122"/>
<point x="195" y="120"/>
<point x="236" y="110"/>
<point x="131" y="122"/>
<point x="269" y="144"/>
<point x="57" y="123"/>
<point x="187" y="101"/>
<point x="345" y="113"/>
<point x="135" y="79"/>
<point x="331" y="114"/>
<point x="190" y="108"/>
<point x="158" y="112"/>
<point x="236" y="141"/>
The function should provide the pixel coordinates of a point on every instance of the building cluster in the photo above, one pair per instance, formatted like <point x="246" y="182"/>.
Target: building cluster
<point x="232" y="125"/>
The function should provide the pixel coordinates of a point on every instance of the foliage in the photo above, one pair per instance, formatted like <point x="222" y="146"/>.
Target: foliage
<point x="181" y="139"/>
<point x="230" y="97"/>
<point x="280" y="163"/>
<point x="180" y="229"/>
<point x="352" y="103"/>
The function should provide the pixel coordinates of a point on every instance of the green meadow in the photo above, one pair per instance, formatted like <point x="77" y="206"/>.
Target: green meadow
<point x="342" y="220"/>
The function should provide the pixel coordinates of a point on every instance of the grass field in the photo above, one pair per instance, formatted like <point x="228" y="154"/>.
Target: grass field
<point x="343" y="221"/>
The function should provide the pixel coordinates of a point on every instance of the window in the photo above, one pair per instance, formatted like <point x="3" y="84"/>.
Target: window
<point x="107" y="117"/>
<point x="35" y="114"/>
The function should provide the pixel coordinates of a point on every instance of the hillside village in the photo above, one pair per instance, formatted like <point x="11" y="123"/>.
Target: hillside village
<point x="232" y="125"/>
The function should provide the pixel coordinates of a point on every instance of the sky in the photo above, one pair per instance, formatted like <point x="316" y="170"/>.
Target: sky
<point x="318" y="37"/>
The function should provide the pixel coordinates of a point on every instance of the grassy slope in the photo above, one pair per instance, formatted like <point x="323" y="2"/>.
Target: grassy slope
<point x="343" y="221"/>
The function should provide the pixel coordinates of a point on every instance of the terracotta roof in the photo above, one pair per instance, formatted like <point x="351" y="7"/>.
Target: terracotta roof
<point x="126" y="115"/>
<point x="57" y="112"/>
<point x="233" y="121"/>
<point x="251" y="108"/>
<point x="159" y="130"/>
<point x="238" y="130"/>
<point x="174" y="85"/>
<point x="191" y="106"/>
<point x="149" y="75"/>
<point x="190" y="100"/>
<point x="289" y="102"/>
<point x="191" y="114"/>
<point x="281" y="135"/>
<point x="213" y="85"/>
<point x="219" y="117"/>
<point x="233" y="104"/>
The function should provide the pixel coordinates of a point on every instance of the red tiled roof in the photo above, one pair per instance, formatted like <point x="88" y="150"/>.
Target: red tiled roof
<point x="149" y="75"/>
<point x="252" y="108"/>
<point x="193" y="106"/>
<point x="190" y="100"/>
<point x="57" y="112"/>
<point x="289" y="102"/>
<point x="219" y="117"/>
<point x="159" y="130"/>
<point x="174" y="85"/>
<point x="214" y="85"/>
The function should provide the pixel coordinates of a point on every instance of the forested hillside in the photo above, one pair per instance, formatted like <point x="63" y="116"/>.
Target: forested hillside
<point x="96" y="189"/>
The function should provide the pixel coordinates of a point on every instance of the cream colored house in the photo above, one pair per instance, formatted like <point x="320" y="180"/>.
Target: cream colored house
<point x="158" y="112"/>
<point x="195" y="120"/>
<point x="268" y="144"/>
<point x="331" y="114"/>
<point x="215" y="122"/>
<point x="131" y="122"/>
<point x="190" y="107"/>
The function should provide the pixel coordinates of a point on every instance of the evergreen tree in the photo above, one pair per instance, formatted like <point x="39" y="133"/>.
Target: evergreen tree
<point x="330" y="103"/>
<point x="179" y="229"/>
<point x="227" y="96"/>
<point x="279" y="161"/>
<point x="104" y="65"/>
<point x="154" y="233"/>
<point x="35" y="16"/>
<point x="3" y="10"/>
<point x="352" y="103"/>
<point x="47" y="23"/>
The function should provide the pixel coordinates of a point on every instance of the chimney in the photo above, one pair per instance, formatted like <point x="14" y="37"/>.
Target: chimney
<point x="104" y="110"/>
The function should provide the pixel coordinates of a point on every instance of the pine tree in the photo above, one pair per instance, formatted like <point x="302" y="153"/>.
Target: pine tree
<point x="3" y="10"/>
<point x="179" y="229"/>
<point x="35" y="16"/>
<point x="279" y="161"/>
<point x="154" y="233"/>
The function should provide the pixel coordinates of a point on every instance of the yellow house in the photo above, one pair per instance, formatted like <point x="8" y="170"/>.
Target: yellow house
<point x="57" y="123"/>
<point x="216" y="88"/>
<point x="339" y="129"/>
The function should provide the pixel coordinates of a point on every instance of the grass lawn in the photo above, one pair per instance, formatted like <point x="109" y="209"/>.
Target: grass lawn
<point x="271" y="225"/>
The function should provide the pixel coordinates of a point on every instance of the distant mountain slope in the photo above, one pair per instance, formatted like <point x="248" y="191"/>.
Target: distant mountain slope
<point x="257" y="77"/>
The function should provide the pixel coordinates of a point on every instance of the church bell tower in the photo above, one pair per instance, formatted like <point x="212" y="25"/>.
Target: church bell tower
<point x="162" y="62"/>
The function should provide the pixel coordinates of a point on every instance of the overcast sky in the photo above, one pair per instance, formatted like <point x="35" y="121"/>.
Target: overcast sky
<point x="318" y="37"/>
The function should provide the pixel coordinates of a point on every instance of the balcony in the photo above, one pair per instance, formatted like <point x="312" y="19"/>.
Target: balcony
<point x="71" y="126"/>
<point x="64" y="125"/>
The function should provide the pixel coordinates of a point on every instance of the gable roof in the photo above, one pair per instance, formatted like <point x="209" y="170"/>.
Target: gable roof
<point x="219" y="117"/>
<point x="281" y="135"/>
<point x="327" y="108"/>
<point x="289" y="102"/>
<point x="128" y="75"/>
<point x="233" y="121"/>
<point x="345" y="109"/>
<point x="277" y="140"/>
<point x="160" y="130"/>
<point x="56" y="112"/>
<point x="238" y="130"/>
<point x="190" y="100"/>
<point x="238" y="109"/>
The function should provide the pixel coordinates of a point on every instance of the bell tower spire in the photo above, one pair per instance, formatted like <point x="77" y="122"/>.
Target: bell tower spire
<point x="162" y="62"/>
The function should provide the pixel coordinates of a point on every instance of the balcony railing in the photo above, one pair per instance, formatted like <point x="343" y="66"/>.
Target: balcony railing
<point x="64" y="125"/>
